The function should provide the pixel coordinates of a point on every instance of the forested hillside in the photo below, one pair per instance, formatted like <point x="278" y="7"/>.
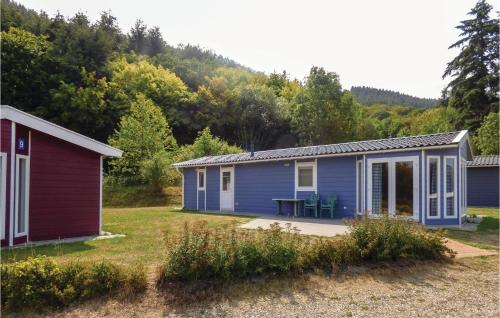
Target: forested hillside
<point x="162" y="103"/>
<point x="370" y="96"/>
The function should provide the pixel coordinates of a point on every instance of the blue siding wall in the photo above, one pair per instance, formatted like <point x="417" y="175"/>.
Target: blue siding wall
<point x="213" y="188"/>
<point x="190" y="189"/>
<point x="482" y="186"/>
<point x="338" y="176"/>
<point x="257" y="184"/>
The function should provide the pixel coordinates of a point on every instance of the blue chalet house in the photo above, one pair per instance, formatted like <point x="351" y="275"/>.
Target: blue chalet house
<point x="483" y="180"/>
<point x="419" y="177"/>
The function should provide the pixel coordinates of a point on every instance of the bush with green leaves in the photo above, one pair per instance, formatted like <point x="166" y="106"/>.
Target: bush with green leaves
<point x="200" y="253"/>
<point x="388" y="239"/>
<point x="39" y="282"/>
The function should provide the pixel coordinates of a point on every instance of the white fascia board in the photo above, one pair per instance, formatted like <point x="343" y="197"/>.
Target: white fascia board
<point x="28" y="120"/>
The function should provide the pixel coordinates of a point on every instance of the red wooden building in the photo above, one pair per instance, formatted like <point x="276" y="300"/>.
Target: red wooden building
<point x="51" y="180"/>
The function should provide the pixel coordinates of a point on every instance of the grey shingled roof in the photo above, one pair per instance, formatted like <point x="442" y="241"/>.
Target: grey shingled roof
<point x="366" y="146"/>
<point x="484" y="161"/>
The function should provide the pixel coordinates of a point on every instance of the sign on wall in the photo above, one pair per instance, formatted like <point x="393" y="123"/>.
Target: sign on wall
<point x="20" y="143"/>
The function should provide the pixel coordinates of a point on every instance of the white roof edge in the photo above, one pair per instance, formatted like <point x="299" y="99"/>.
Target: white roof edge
<point x="28" y="120"/>
<point x="460" y="135"/>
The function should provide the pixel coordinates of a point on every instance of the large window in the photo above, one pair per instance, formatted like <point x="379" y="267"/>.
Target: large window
<point x="380" y="188"/>
<point x="404" y="188"/>
<point x="21" y="202"/>
<point x="306" y="176"/>
<point x="433" y="187"/>
<point x="449" y="186"/>
<point x="201" y="179"/>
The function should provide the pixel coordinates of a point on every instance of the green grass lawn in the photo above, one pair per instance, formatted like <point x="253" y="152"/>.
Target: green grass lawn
<point x="487" y="233"/>
<point x="144" y="229"/>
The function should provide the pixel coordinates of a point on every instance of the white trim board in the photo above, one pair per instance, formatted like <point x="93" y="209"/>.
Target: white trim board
<point x="12" y="181"/>
<point x="26" y="196"/>
<point x="25" y="119"/>
<point x="454" y="192"/>
<point x="3" y="194"/>
<point x="437" y="195"/>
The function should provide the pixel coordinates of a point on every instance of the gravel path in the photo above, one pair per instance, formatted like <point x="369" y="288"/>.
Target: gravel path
<point x="466" y="288"/>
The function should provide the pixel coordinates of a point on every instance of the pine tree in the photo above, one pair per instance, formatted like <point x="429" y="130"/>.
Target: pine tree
<point x="474" y="72"/>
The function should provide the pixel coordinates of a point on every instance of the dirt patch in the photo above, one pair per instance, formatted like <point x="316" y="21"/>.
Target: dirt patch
<point x="423" y="289"/>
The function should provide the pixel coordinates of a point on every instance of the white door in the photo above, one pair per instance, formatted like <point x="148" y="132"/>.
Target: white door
<point x="227" y="189"/>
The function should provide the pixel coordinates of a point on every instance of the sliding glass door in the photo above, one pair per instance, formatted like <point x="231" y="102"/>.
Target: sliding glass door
<point x="393" y="186"/>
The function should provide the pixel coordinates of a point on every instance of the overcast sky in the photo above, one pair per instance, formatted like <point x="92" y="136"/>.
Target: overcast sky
<point x="392" y="44"/>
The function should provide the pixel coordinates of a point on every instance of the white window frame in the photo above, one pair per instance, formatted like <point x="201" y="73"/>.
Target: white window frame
<point x="204" y="171"/>
<point x="391" y="166"/>
<point x="27" y="196"/>
<point x="463" y="187"/>
<point x="454" y="192"/>
<point x="428" y="186"/>
<point x="298" y="165"/>
<point x="360" y="168"/>
<point x="3" y="194"/>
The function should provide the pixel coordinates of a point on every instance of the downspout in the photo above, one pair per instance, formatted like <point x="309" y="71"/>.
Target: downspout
<point x="423" y="189"/>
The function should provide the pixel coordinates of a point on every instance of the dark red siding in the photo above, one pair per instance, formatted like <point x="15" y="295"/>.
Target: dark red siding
<point x="6" y="127"/>
<point x="64" y="189"/>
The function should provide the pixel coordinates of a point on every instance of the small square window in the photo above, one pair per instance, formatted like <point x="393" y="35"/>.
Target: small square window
<point x="201" y="179"/>
<point x="305" y="176"/>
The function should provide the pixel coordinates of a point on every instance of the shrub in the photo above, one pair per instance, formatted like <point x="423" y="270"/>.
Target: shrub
<point x="200" y="253"/>
<point x="393" y="239"/>
<point x="39" y="282"/>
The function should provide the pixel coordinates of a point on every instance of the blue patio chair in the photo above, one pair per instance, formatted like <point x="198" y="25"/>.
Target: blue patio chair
<point x="329" y="205"/>
<point x="312" y="204"/>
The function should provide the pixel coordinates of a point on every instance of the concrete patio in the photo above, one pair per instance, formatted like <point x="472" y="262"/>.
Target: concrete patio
<point x="307" y="226"/>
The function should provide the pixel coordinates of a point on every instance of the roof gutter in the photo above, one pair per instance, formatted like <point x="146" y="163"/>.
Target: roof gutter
<point x="454" y="145"/>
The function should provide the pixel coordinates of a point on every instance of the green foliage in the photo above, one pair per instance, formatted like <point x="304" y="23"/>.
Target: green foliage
<point x="200" y="253"/>
<point x="392" y="239"/>
<point x="322" y="112"/>
<point x="206" y="145"/>
<point x="159" y="85"/>
<point x="158" y="171"/>
<point x="473" y="88"/>
<point x="39" y="282"/>
<point x="486" y="139"/>
<point x="93" y="108"/>
<point x="142" y="134"/>
<point x="371" y="96"/>
<point x="27" y="69"/>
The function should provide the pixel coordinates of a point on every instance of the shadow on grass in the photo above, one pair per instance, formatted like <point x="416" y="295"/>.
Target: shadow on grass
<point x="56" y="249"/>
